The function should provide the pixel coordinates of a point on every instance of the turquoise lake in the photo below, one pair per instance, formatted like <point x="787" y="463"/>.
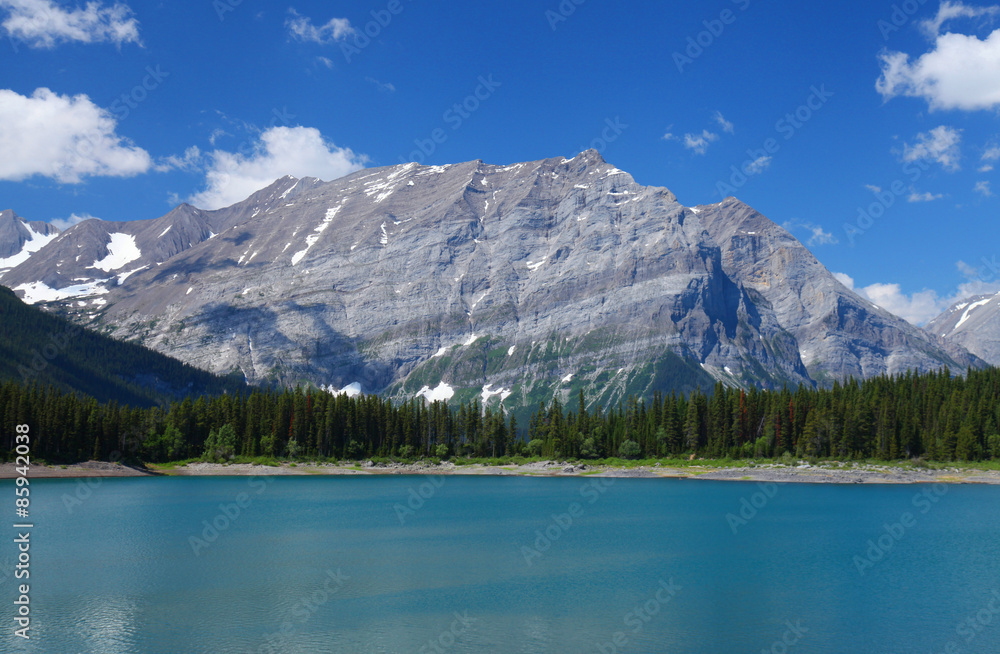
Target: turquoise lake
<point x="505" y="564"/>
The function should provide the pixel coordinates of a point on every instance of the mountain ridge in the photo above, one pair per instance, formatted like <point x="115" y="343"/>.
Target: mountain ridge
<point x="513" y="283"/>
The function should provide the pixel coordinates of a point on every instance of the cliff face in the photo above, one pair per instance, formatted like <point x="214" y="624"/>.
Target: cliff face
<point x="514" y="283"/>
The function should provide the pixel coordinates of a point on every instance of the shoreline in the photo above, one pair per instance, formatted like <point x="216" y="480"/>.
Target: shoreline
<point x="768" y="473"/>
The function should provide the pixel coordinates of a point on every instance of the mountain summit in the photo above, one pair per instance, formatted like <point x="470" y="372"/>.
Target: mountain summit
<point x="513" y="283"/>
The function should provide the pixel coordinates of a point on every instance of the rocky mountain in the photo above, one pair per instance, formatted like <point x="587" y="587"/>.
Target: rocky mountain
<point x="510" y="283"/>
<point x="974" y="324"/>
<point x="19" y="239"/>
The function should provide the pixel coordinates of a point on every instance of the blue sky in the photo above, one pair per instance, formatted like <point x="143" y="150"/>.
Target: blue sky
<point x="870" y="129"/>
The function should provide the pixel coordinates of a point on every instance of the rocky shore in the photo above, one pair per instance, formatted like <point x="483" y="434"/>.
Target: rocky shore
<point x="827" y="473"/>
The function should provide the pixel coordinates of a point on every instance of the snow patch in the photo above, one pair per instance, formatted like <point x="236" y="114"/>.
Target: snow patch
<point x="122" y="250"/>
<point x="532" y="266"/>
<point x="331" y="213"/>
<point x="510" y="350"/>
<point x="502" y="393"/>
<point x="41" y="292"/>
<point x="972" y="307"/>
<point x="35" y="243"/>
<point x="164" y="232"/>
<point x="568" y="378"/>
<point x="472" y="339"/>
<point x="122" y="277"/>
<point x="440" y="353"/>
<point x="441" y="393"/>
<point x="351" y="390"/>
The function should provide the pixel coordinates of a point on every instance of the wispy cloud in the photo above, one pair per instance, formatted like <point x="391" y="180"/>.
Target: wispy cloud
<point x="44" y="24"/>
<point x="385" y="87"/>
<point x="698" y="143"/>
<point x="916" y="196"/>
<point x="941" y="144"/>
<point x="62" y="224"/>
<point x="302" y="29"/>
<point x="984" y="189"/>
<point x="817" y="235"/>
<point x="726" y="126"/>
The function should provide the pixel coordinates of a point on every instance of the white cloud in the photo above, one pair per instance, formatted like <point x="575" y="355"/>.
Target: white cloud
<point x="817" y="235"/>
<point x="992" y="153"/>
<point x="918" y="308"/>
<point x="296" y="151"/>
<point x="758" y="165"/>
<point x="302" y="29"/>
<point x="983" y="188"/>
<point x="723" y="123"/>
<point x="951" y="10"/>
<point x="386" y="87"/>
<point x="941" y="144"/>
<point x="44" y="24"/>
<point x="960" y="71"/>
<point x="326" y="61"/>
<point x="873" y="189"/>
<point x="64" y="138"/>
<point x="698" y="143"/>
<point x="845" y="279"/>
<point x="986" y="169"/>
<point x="62" y="224"/>
<point x="916" y="196"/>
<point x="190" y="160"/>
<point x="923" y="306"/>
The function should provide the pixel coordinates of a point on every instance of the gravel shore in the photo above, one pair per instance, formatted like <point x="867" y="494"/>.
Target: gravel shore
<point x="847" y="473"/>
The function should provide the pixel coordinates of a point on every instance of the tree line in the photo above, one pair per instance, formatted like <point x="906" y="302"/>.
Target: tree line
<point x="934" y="415"/>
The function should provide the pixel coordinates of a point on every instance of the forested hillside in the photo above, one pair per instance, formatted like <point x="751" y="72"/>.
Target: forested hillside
<point x="935" y="416"/>
<point x="37" y="347"/>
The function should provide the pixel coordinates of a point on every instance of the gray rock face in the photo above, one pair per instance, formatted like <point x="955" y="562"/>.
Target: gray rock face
<point x="839" y="333"/>
<point x="973" y="324"/>
<point x="511" y="283"/>
<point x="19" y="239"/>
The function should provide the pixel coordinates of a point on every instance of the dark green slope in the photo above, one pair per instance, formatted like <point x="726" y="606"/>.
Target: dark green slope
<point x="36" y="346"/>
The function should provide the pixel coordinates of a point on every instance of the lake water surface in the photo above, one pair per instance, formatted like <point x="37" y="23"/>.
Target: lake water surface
<point x="493" y="564"/>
